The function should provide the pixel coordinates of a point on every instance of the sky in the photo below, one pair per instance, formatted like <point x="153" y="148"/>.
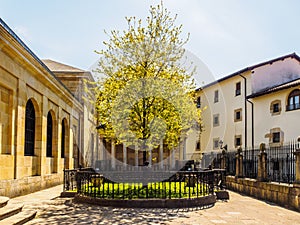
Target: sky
<point x="225" y="36"/>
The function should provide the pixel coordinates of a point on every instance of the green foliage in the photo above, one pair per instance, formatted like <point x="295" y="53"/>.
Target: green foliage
<point x="140" y="191"/>
<point x="145" y="95"/>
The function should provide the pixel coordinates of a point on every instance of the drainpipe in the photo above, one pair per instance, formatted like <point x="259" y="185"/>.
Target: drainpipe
<point x="252" y="122"/>
<point x="245" y="95"/>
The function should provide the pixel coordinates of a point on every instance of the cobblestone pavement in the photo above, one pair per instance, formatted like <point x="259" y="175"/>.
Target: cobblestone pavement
<point x="238" y="210"/>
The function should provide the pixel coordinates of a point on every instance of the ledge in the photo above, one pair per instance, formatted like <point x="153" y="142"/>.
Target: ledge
<point x="203" y="202"/>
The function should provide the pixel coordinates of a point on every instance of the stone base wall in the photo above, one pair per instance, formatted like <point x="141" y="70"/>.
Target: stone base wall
<point x="203" y="202"/>
<point x="26" y="185"/>
<point x="284" y="195"/>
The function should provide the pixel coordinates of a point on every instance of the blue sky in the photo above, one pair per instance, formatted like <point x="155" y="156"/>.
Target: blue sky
<point x="225" y="35"/>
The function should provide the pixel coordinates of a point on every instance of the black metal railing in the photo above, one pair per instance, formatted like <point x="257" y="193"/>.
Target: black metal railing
<point x="281" y="163"/>
<point x="250" y="162"/>
<point x="145" y="184"/>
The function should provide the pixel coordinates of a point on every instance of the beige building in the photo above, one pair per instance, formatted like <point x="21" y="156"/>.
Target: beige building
<point x="45" y="126"/>
<point x="257" y="104"/>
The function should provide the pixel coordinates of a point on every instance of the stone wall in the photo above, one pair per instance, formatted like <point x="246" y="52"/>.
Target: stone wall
<point x="26" y="185"/>
<point x="285" y="195"/>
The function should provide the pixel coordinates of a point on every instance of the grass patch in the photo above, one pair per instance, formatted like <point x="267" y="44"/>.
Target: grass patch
<point x="159" y="190"/>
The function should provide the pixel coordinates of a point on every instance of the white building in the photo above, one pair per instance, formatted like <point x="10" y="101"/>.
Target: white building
<point x="256" y="104"/>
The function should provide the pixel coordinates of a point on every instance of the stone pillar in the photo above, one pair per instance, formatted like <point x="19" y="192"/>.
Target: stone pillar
<point x="161" y="154"/>
<point x="223" y="159"/>
<point x="262" y="163"/>
<point x="239" y="163"/>
<point x="297" y="169"/>
<point x="172" y="158"/>
<point x="184" y="149"/>
<point x="136" y="155"/>
<point x="150" y="157"/>
<point x="125" y="155"/>
<point x="113" y="154"/>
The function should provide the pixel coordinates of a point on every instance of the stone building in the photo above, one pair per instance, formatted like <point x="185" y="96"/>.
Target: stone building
<point x="45" y="126"/>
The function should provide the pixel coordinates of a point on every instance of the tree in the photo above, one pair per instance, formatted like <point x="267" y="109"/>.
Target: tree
<point x="145" y="94"/>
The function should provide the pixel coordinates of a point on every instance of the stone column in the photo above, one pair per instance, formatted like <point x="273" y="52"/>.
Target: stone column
<point x="136" y="155"/>
<point x="161" y="154"/>
<point x="150" y="157"/>
<point x="184" y="149"/>
<point x="239" y="163"/>
<point x="125" y="155"/>
<point x="297" y="169"/>
<point x="223" y="159"/>
<point x="262" y="163"/>
<point x="172" y="159"/>
<point x="113" y="154"/>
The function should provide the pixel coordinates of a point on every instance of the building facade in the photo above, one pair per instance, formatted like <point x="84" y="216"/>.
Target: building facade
<point x="42" y="119"/>
<point x="258" y="104"/>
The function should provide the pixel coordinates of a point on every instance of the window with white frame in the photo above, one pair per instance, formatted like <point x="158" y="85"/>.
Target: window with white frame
<point x="238" y="115"/>
<point x="216" y="120"/>
<point x="238" y="88"/>
<point x="216" y="96"/>
<point x="216" y="143"/>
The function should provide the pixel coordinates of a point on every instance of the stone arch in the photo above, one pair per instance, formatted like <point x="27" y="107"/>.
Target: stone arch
<point x="52" y="145"/>
<point x="65" y="147"/>
<point x="33" y="135"/>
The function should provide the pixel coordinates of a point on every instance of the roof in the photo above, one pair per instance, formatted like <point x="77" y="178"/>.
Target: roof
<point x="292" y="55"/>
<point x="27" y="49"/>
<point x="60" y="67"/>
<point x="279" y="87"/>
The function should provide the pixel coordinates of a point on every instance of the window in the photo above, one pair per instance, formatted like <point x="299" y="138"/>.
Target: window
<point x="198" y="146"/>
<point x="293" y="100"/>
<point x="237" y="140"/>
<point x="216" y="143"/>
<point x="198" y="102"/>
<point x="29" y="129"/>
<point x="237" y="115"/>
<point x="216" y="96"/>
<point x="275" y="107"/>
<point x="49" y="135"/>
<point x="216" y="121"/>
<point x="238" y="89"/>
<point x="63" y="138"/>
<point x="276" y="137"/>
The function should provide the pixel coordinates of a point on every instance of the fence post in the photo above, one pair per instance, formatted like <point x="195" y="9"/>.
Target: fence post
<point x="223" y="160"/>
<point x="239" y="163"/>
<point x="262" y="163"/>
<point x="297" y="169"/>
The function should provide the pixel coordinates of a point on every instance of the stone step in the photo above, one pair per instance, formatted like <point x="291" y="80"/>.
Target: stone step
<point x="10" y="209"/>
<point x="3" y="201"/>
<point x="20" y="218"/>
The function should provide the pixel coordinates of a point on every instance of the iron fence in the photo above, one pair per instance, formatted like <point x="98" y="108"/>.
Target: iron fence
<point x="250" y="162"/>
<point x="145" y="184"/>
<point x="281" y="163"/>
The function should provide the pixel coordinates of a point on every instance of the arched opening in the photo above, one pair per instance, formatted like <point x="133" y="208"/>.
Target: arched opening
<point x="49" y="135"/>
<point x="29" y="129"/>
<point x="65" y="143"/>
<point x="293" y="100"/>
<point x="63" y="138"/>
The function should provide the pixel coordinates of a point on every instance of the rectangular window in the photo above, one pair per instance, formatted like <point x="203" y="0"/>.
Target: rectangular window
<point x="275" y="107"/>
<point x="198" y="102"/>
<point x="237" y="115"/>
<point x="198" y="146"/>
<point x="216" y="96"/>
<point x="276" y="137"/>
<point x="216" y="143"/>
<point x="216" y="121"/>
<point x="237" y="140"/>
<point x="238" y="89"/>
